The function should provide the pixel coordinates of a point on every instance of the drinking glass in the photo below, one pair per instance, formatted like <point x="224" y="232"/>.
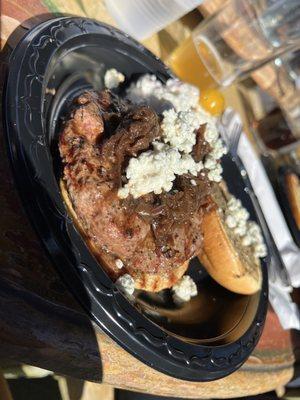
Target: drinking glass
<point x="275" y="123"/>
<point x="246" y="34"/>
<point x="288" y="76"/>
<point x="142" y="18"/>
<point x="188" y="66"/>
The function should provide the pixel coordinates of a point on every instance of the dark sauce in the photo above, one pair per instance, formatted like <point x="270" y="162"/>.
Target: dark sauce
<point x="274" y="130"/>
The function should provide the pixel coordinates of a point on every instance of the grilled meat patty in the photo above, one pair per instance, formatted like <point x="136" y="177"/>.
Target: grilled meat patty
<point x="153" y="234"/>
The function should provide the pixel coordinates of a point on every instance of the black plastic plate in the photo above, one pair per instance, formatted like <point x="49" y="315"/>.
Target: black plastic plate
<point x="31" y="119"/>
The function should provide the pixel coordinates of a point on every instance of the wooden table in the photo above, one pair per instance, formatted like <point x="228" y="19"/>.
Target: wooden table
<point x="40" y="321"/>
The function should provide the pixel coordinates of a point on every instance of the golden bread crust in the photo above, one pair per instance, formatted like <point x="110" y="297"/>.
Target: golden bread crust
<point x="222" y="259"/>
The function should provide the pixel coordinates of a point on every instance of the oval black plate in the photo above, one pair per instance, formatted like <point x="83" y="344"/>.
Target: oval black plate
<point x="30" y="118"/>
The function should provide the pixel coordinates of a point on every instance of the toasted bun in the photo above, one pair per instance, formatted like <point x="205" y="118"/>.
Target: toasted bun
<point x="145" y="281"/>
<point x="293" y="193"/>
<point x="157" y="282"/>
<point x="224" y="259"/>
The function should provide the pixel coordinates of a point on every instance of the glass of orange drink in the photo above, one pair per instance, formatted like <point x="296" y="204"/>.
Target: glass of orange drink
<point x="242" y="36"/>
<point x="187" y="65"/>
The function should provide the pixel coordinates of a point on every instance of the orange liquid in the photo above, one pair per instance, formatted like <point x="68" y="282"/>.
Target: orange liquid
<point x="187" y="65"/>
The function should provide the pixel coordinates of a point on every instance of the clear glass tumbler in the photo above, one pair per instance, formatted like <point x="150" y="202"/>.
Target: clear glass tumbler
<point x="246" y="34"/>
<point x="288" y="76"/>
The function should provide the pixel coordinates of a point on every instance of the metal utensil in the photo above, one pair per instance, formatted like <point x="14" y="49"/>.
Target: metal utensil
<point x="231" y="129"/>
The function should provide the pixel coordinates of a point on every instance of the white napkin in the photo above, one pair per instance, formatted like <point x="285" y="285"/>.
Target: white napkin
<point x="279" y="295"/>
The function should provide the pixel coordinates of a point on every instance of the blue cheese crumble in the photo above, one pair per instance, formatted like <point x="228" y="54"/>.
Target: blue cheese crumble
<point x="113" y="78"/>
<point x="178" y="129"/>
<point x="181" y="95"/>
<point x="119" y="263"/>
<point x="149" y="89"/>
<point x="125" y="284"/>
<point x="155" y="170"/>
<point x="237" y="220"/>
<point x="184" y="290"/>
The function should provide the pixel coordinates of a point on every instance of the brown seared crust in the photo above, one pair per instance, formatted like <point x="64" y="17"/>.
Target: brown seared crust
<point x="153" y="282"/>
<point x="224" y="259"/>
<point x="293" y="194"/>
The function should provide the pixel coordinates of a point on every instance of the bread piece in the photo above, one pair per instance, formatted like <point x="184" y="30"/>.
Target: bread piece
<point x="157" y="282"/>
<point x="231" y="264"/>
<point x="145" y="281"/>
<point x="293" y="193"/>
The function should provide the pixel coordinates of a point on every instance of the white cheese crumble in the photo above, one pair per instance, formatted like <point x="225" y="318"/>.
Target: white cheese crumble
<point x="155" y="170"/>
<point x="211" y="163"/>
<point x="182" y="95"/>
<point x="218" y="149"/>
<point x="215" y="174"/>
<point x="119" y="263"/>
<point x="184" y="290"/>
<point x="150" y="90"/>
<point x="214" y="169"/>
<point x="237" y="219"/>
<point x="113" y="78"/>
<point x="143" y="88"/>
<point x="178" y="129"/>
<point x="211" y="133"/>
<point x="126" y="284"/>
